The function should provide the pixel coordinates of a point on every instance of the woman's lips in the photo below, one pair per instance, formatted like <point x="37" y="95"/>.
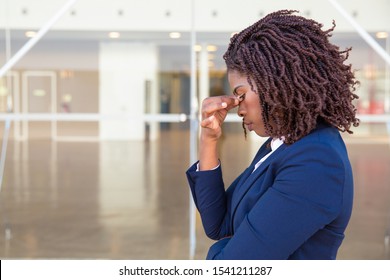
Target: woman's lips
<point x="249" y="126"/>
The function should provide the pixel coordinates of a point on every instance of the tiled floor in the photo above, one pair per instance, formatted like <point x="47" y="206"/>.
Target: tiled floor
<point x="129" y="200"/>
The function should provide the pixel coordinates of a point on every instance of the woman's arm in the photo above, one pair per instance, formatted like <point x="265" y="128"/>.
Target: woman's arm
<point x="214" y="111"/>
<point x="212" y="201"/>
<point x="205" y="178"/>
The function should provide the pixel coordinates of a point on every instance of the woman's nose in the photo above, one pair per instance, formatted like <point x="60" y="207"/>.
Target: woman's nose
<point x="241" y="111"/>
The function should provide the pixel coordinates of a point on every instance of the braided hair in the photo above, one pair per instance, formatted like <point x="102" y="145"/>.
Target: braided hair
<point x="300" y="77"/>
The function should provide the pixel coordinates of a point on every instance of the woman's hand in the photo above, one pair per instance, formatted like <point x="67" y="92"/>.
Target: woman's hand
<point x="214" y="111"/>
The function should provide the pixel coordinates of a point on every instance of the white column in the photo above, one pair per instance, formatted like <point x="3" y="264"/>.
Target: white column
<point x="126" y="70"/>
<point x="204" y="77"/>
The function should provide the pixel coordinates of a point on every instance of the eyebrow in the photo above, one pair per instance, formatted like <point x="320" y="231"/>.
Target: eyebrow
<point x="236" y="88"/>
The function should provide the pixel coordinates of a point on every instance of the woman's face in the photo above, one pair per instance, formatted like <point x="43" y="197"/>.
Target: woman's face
<point x="249" y="107"/>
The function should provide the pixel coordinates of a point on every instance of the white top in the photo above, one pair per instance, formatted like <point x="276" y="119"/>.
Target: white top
<point x="275" y="143"/>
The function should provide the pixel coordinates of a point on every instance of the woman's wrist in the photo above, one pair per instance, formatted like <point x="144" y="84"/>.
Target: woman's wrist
<point x="208" y="153"/>
<point x="208" y="139"/>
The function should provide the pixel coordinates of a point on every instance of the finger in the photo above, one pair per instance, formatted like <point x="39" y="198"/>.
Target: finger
<point x="213" y="107"/>
<point x="207" y="122"/>
<point x="230" y="100"/>
<point x="217" y="104"/>
<point x="234" y="102"/>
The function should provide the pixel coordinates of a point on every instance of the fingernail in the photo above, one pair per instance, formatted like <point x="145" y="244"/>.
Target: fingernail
<point x="224" y="104"/>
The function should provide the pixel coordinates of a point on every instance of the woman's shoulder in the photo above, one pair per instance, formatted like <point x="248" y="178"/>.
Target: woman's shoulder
<point x="323" y="142"/>
<point x="323" y="134"/>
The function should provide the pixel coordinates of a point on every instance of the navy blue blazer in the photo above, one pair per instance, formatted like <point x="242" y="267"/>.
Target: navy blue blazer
<point x="295" y="205"/>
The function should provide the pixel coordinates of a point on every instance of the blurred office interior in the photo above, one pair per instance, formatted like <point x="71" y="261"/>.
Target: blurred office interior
<point x="98" y="122"/>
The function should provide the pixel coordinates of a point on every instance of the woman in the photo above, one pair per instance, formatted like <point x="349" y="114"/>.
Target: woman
<point x="295" y="199"/>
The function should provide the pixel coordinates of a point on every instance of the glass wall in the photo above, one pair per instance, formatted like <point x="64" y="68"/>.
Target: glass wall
<point x="100" y="136"/>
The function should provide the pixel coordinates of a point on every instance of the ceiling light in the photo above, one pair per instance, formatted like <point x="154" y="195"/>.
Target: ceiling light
<point x="174" y="35"/>
<point x="30" y="34"/>
<point x="114" y="35"/>
<point x="382" y="35"/>
<point x="197" y="48"/>
<point x="211" y="48"/>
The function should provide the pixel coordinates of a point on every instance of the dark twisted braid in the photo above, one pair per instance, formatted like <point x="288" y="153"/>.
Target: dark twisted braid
<point x="299" y="75"/>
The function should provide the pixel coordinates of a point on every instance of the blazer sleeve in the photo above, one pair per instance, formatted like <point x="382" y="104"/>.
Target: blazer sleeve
<point x="211" y="200"/>
<point x="305" y="195"/>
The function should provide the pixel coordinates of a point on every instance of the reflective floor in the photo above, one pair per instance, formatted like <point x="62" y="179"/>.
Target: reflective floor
<point x="130" y="200"/>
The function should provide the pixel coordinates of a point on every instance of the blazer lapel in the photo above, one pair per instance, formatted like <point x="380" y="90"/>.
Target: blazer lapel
<point x="247" y="181"/>
<point x="263" y="166"/>
<point x="264" y="149"/>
